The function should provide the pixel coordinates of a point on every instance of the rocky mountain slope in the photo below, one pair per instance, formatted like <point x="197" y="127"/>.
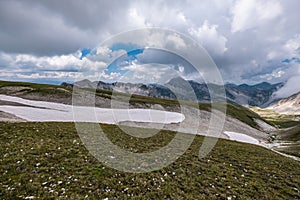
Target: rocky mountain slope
<point x="178" y="88"/>
<point x="290" y="105"/>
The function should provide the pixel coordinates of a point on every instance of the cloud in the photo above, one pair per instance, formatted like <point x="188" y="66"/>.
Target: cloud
<point x="62" y="62"/>
<point x="148" y="73"/>
<point x="274" y="74"/>
<point x="291" y="87"/>
<point x="31" y="29"/>
<point x="137" y="18"/>
<point x="104" y="54"/>
<point x="293" y="46"/>
<point x="208" y="36"/>
<point x="291" y="77"/>
<point x="289" y="50"/>
<point x="59" y="77"/>
<point x="176" y="41"/>
<point x="53" y="27"/>
<point x="248" y="14"/>
<point x="248" y="39"/>
<point x="49" y="75"/>
<point x="60" y="68"/>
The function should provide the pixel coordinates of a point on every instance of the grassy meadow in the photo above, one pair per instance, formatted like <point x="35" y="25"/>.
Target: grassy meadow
<point x="48" y="161"/>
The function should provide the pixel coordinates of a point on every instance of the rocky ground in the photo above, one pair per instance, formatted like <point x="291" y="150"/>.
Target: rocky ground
<point x="7" y="117"/>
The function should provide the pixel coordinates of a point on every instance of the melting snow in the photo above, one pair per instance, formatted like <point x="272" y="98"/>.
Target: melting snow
<point x="241" y="137"/>
<point x="48" y="111"/>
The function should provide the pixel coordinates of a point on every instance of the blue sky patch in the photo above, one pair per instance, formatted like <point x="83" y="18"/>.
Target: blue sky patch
<point x="124" y="60"/>
<point x="84" y="53"/>
<point x="124" y="46"/>
<point x="135" y="52"/>
<point x="291" y="60"/>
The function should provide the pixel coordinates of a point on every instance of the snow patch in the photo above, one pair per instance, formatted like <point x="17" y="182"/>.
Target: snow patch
<point x="241" y="137"/>
<point x="48" y="111"/>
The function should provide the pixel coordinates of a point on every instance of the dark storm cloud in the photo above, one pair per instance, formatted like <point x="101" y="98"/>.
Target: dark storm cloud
<point x="248" y="39"/>
<point x="55" y="27"/>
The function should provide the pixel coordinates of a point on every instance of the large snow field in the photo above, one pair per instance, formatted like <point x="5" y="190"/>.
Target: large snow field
<point x="41" y="111"/>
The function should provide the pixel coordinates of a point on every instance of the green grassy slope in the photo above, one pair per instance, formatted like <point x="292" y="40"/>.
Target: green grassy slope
<point x="47" y="160"/>
<point x="292" y="138"/>
<point x="292" y="134"/>
<point x="278" y="120"/>
<point x="27" y="84"/>
<point x="288" y="133"/>
<point x="6" y="87"/>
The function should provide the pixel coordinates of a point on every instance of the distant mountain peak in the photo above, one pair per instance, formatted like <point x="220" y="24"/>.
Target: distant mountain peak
<point x="85" y="83"/>
<point x="176" y="79"/>
<point x="254" y="95"/>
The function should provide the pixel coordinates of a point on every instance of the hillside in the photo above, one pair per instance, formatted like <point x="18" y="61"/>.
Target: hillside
<point x="290" y="105"/>
<point x="48" y="160"/>
<point x="63" y="94"/>
<point x="239" y="119"/>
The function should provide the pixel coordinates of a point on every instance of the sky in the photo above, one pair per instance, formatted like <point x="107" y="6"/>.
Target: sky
<point x="250" y="41"/>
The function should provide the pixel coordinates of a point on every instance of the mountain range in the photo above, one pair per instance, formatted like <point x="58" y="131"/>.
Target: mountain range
<point x="178" y="88"/>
